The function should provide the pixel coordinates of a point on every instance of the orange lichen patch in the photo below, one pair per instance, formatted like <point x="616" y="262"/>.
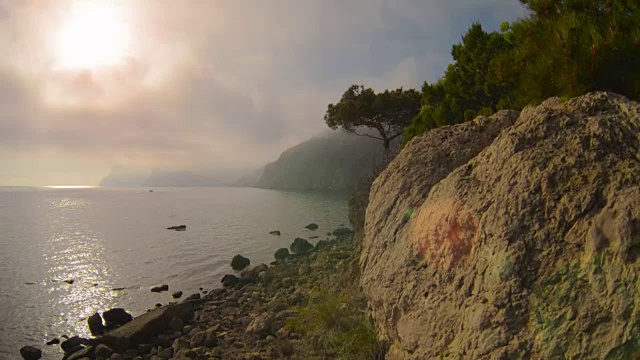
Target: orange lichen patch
<point x="445" y="233"/>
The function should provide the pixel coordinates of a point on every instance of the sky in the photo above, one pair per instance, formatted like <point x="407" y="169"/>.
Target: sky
<point x="88" y="86"/>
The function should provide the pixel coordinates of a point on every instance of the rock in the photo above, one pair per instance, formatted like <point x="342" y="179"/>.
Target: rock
<point x="116" y="317"/>
<point x="342" y="232"/>
<point x="518" y="235"/>
<point x="96" y="327"/>
<point x="276" y="232"/>
<point x="253" y="275"/>
<point x="166" y="353"/>
<point x="312" y="226"/>
<point x="211" y="340"/>
<point x="145" y="348"/>
<point x="240" y="262"/>
<point x="198" y="339"/>
<point x="281" y="254"/>
<point x="229" y="280"/>
<point x="116" y="356"/>
<point x="103" y="351"/>
<point x="55" y="341"/>
<point x="160" y="288"/>
<point x="195" y="296"/>
<point x="69" y="281"/>
<point x="261" y="324"/>
<point x="73" y="343"/>
<point x="82" y="353"/>
<point x="313" y="237"/>
<point x="146" y="325"/>
<point x="30" y="353"/>
<point x="176" y="324"/>
<point x="178" y="228"/>
<point x="180" y="344"/>
<point x="177" y="294"/>
<point x="283" y="333"/>
<point x="301" y="246"/>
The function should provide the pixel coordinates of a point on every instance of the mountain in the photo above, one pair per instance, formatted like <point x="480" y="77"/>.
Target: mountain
<point x="159" y="178"/>
<point x="331" y="161"/>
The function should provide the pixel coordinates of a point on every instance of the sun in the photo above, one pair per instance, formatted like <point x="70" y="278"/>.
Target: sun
<point x="93" y="34"/>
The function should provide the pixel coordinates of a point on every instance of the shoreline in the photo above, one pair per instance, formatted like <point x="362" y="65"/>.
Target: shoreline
<point x="267" y="312"/>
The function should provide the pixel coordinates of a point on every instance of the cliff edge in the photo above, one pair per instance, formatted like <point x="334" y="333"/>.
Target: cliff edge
<point x="515" y="236"/>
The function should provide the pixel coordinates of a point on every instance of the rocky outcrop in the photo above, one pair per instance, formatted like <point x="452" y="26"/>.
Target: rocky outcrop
<point x="240" y="262"/>
<point x="505" y="239"/>
<point x="300" y="246"/>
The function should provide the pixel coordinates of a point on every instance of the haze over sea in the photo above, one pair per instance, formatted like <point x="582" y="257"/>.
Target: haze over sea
<point x="107" y="239"/>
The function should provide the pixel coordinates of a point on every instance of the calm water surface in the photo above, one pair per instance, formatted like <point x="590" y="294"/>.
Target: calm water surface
<point x="108" y="239"/>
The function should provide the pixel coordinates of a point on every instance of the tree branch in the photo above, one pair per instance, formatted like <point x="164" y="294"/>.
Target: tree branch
<point x="367" y="135"/>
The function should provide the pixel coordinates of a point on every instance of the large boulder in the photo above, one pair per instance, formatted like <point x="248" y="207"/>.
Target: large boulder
<point x="229" y="280"/>
<point x="239" y="262"/>
<point x="146" y="325"/>
<point x="96" y="327"/>
<point x="312" y="226"/>
<point x="30" y="353"/>
<point x="116" y="317"/>
<point x="301" y="246"/>
<point x="281" y="254"/>
<point x="522" y="246"/>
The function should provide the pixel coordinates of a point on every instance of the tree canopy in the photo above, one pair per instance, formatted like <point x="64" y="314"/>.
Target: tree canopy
<point x="563" y="48"/>
<point x="388" y="113"/>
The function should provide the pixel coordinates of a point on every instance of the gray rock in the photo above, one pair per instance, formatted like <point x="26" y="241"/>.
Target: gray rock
<point x="276" y="232"/>
<point x="211" y="340"/>
<point x="81" y="354"/>
<point x="160" y="288"/>
<point x="147" y="325"/>
<point x="229" y="280"/>
<point x="176" y="324"/>
<point x="116" y="317"/>
<point x="512" y="235"/>
<point x="96" y="327"/>
<point x="166" y="353"/>
<point x="342" y="232"/>
<point x="281" y="254"/>
<point x="180" y="344"/>
<point x="116" y="356"/>
<point x="103" y="351"/>
<point x="239" y="262"/>
<point x="198" y="339"/>
<point x="301" y="246"/>
<point x="177" y="294"/>
<point x="30" y="353"/>
<point x="312" y="226"/>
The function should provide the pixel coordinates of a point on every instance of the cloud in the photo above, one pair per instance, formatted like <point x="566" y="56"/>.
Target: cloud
<point x="209" y="83"/>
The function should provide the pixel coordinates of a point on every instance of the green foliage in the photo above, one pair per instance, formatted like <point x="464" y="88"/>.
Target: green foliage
<point x="336" y="327"/>
<point x="563" y="48"/>
<point x="388" y="113"/>
<point x="470" y="86"/>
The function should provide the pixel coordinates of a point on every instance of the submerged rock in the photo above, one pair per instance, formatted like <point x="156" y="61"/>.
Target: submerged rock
<point x="30" y="353"/>
<point x="312" y="226"/>
<point x="301" y="246"/>
<point x="240" y="262"/>
<point x="518" y="233"/>
<point x="275" y="232"/>
<point x="177" y="294"/>
<point x="178" y="228"/>
<point x="160" y="288"/>
<point x="342" y="232"/>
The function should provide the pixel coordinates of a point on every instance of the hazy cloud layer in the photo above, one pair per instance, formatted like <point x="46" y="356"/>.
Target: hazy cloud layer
<point x="208" y="84"/>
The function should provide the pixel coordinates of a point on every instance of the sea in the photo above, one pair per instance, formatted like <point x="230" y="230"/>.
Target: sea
<point x="114" y="245"/>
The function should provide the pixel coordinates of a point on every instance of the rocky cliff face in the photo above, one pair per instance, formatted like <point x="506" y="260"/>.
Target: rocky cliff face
<point x="331" y="161"/>
<point x="511" y="236"/>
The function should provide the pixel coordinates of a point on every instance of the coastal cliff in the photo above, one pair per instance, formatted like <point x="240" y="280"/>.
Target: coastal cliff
<point x="514" y="236"/>
<point x="331" y="161"/>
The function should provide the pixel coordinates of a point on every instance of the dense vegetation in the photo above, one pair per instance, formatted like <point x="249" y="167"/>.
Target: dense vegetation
<point x="564" y="48"/>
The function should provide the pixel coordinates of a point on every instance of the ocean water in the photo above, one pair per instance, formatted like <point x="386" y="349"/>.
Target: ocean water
<point x="106" y="239"/>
